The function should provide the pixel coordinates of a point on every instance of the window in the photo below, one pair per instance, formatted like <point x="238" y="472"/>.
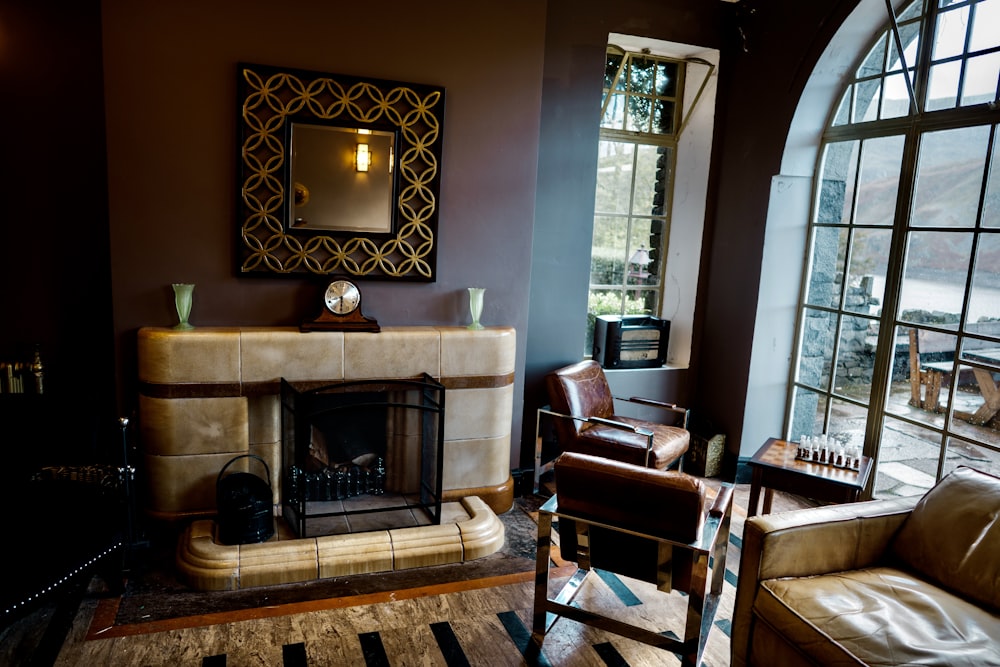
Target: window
<point x="641" y="114"/>
<point x="898" y="341"/>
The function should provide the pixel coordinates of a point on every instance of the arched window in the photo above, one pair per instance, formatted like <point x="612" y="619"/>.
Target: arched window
<point x="898" y="330"/>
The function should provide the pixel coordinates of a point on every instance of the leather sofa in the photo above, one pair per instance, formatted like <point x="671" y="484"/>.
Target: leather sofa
<point x="885" y="582"/>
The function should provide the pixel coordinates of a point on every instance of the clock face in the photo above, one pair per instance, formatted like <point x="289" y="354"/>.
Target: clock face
<point x="342" y="297"/>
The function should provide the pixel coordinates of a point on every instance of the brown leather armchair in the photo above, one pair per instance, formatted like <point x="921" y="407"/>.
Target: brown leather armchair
<point x="586" y="422"/>
<point x="651" y="525"/>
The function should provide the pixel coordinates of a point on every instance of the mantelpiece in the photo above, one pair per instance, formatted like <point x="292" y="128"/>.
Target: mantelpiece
<point x="210" y="394"/>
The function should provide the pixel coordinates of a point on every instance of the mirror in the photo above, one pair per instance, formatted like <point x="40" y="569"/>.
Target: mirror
<point x="335" y="185"/>
<point x="338" y="174"/>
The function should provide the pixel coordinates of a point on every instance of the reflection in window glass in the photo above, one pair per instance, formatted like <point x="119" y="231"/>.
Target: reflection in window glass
<point x="949" y="177"/>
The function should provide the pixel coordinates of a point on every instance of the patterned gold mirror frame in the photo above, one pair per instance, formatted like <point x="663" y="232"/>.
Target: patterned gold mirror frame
<point x="270" y="100"/>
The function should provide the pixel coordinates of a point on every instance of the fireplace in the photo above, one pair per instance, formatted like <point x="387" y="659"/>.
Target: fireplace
<point x="362" y="455"/>
<point x="212" y="393"/>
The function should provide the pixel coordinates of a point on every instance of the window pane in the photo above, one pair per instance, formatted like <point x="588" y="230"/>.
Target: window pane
<point x="897" y="99"/>
<point x="614" y="115"/>
<point x="911" y="12"/>
<point x="976" y="456"/>
<point x="879" y="180"/>
<point x="909" y="35"/>
<point x="663" y="117"/>
<point x="984" y="299"/>
<point x="666" y="79"/>
<point x="644" y="250"/>
<point x="856" y="358"/>
<point x="816" y="356"/>
<point x="614" y="176"/>
<point x="981" y="75"/>
<point x="842" y="117"/>
<point x="908" y="459"/>
<point x="829" y="250"/>
<point x="937" y="264"/>
<point x="906" y="394"/>
<point x="641" y="76"/>
<point x="611" y="67"/>
<point x="949" y="177"/>
<point x="874" y="61"/>
<point x="867" y="101"/>
<point x="607" y="263"/>
<point x="949" y="38"/>
<point x="984" y="29"/>
<point x="837" y="182"/>
<point x="648" y="184"/>
<point x="639" y="109"/>
<point x="808" y="413"/>
<point x="943" y="87"/>
<point x="991" y="204"/>
<point x="866" y="280"/>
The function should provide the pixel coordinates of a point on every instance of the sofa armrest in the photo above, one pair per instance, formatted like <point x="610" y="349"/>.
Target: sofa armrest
<point x="808" y="542"/>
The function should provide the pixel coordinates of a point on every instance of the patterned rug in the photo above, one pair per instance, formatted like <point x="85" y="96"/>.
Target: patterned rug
<point x="467" y="614"/>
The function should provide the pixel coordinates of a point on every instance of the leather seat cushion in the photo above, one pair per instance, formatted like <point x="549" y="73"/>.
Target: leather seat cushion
<point x="876" y="616"/>
<point x="669" y="442"/>
<point x="953" y="535"/>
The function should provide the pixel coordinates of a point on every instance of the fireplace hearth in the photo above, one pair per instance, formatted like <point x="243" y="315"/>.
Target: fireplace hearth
<point x="360" y="455"/>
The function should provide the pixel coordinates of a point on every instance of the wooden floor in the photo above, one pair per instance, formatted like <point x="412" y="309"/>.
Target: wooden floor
<point x="480" y="621"/>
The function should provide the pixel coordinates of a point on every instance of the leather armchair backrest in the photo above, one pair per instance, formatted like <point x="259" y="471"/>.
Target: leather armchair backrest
<point x="581" y="390"/>
<point x="661" y="503"/>
<point x="953" y="535"/>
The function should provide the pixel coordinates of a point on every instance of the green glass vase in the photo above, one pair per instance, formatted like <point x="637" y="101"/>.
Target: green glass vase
<point x="183" y="298"/>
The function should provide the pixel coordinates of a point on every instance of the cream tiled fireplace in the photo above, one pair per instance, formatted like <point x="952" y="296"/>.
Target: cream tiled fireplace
<point x="211" y="394"/>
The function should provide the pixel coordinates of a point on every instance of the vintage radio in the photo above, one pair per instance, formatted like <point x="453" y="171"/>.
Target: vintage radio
<point x="631" y="341"/>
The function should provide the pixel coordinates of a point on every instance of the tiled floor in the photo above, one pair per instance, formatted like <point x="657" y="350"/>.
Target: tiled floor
<point x="475" y="614"/>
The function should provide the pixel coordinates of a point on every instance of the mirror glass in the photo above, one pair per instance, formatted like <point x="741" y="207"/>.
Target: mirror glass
<point x="335" y="189"/>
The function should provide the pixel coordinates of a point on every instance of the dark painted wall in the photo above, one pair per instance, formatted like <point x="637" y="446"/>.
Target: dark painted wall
<point x="55" y="288"/>
<point x="514" y="72"/>
<point x="171" y="106"/>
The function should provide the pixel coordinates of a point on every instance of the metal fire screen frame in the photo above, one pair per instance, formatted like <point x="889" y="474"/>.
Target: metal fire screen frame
<point x="301" y="403"/>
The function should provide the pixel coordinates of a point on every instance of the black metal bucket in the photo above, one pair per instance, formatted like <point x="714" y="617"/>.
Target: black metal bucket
<point x="244" y="502"/>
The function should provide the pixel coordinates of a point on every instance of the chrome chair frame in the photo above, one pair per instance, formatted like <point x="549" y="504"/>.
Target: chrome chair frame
<point x="708" y="553"/>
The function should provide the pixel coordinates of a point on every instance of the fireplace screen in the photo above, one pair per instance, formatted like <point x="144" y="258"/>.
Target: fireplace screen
<point x="361" y="455"/>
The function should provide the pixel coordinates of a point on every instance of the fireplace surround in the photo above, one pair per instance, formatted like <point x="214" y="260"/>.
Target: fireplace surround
<point x="210" y="394"/>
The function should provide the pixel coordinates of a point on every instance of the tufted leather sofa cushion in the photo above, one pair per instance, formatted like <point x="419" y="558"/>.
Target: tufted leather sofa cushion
<point x="876" y="616"/>
<point x="953" y="536"/>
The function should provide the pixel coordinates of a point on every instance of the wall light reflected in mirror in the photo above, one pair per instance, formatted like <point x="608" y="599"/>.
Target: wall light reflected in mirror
<point x="362" y="158"/>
